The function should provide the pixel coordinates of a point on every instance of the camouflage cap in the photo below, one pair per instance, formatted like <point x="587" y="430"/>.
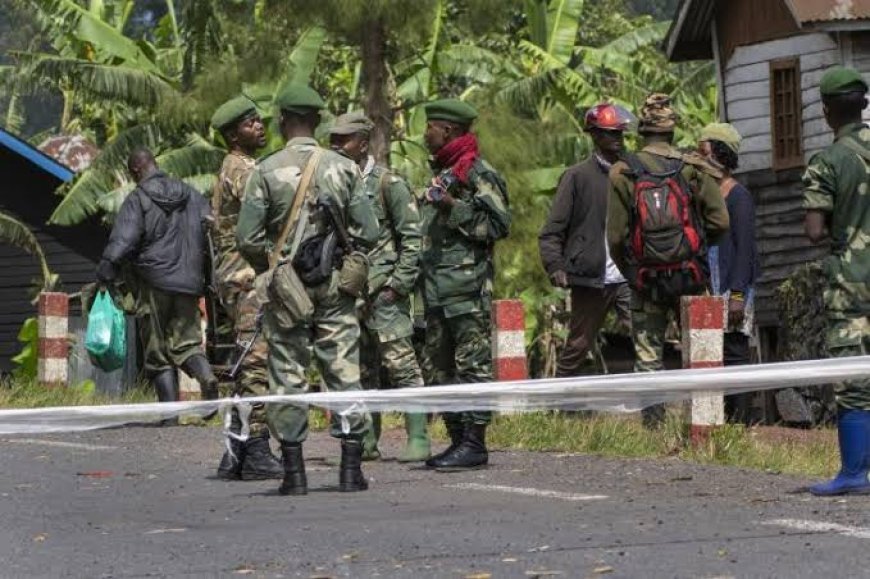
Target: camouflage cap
<point x="299" y="98"/>
<point x="724" y="133"/>
<point x="842" y="80"/>
<point x="235" y="109"/>
<point x="657" y="115"/>
<point x="351" y="124"/>
<point x="452" y="110"/>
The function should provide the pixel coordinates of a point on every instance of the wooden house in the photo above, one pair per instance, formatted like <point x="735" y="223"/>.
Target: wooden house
<point x="27" y="191"/>
<point x="770" y="56"/>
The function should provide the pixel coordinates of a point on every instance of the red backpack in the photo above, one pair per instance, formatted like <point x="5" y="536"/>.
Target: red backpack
<point x="667" y="246"/>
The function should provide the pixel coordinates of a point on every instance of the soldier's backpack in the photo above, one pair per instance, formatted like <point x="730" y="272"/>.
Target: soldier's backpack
<point x="666" y="242"/>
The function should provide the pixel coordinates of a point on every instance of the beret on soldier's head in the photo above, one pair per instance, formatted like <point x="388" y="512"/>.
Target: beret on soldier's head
<point x="724" y="133"/>
<point x="657" y="115"/>
<point x="452" y="110"/>
<point x="235" y="109"/>
<point x="299" y="99"/>
<point x="842" y="80"/>
<point x="351" y="124"/>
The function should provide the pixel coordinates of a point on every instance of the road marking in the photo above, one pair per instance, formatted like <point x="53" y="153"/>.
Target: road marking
<point x="531" y="492"/>
<point x="59" y="443"/>
<point x="822" y="527"/>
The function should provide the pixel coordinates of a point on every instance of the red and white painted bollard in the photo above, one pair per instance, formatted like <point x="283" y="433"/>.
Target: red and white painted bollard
<point x="703" y="326"/>
<point x="509" y="341"/>
<point x="53" y="328"/>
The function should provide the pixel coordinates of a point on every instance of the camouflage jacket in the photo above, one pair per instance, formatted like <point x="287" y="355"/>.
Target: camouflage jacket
<point x="226" y="202"/>
<point x="395" y="260"/>
<point x="456" y="263"/>
<point x="272" y="188"/>
<point x="837" y="182"/>
<point x="708" y="200"/>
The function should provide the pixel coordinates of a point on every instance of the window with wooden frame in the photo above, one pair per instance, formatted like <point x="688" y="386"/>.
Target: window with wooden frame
<point x="786" y="118"/>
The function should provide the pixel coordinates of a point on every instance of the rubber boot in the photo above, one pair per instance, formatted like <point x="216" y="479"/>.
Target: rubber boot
<point x="198" y="367"/>
<point x="853" y="430"/>
<point x="371" y="439"/>
<point x="471" y="453"/>
<point x="456" y="430"/>
<point x="230" y="467"/>
<point x="418" y="447"/>
<point x="295" y="482"/>
<point x="350" y="475"/>
<point x="166" y="385"/>
<point x="259" y="463"/>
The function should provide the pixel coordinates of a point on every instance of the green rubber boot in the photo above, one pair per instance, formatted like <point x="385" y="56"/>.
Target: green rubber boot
<point x="371" y="438"/>
<point x="418" y="448"/>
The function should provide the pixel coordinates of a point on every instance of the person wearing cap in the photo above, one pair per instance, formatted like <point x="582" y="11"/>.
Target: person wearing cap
<point x="734" y="265"/>
<point x="241" y="128"/>
<point x="465" y="211"/>
<point x="333" y="333"/>
<point x="837" y="200"/>
<point x="395" y="260"/>
<point x="573" y="241"/>
<point x="651" y="302"/>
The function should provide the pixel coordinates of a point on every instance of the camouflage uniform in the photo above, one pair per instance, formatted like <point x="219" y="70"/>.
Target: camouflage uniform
<point x="837" y="182"/>
<point x="649" y="319"/>
<point x="457" y="275"/>
<point x="236" y="280"/>
<point x="334" y="335"/>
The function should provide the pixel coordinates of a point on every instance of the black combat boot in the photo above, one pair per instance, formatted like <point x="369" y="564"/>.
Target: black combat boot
<point x="471" y="453"/>
<point x="166" y="385"/>
<point x="198" y="367"/>
<point x="350" y="477"/>
<point x="295" y="482"/>
<point x="230" y="467"/>
<point x="456" y="430"/>
<point x="259" y="463"/>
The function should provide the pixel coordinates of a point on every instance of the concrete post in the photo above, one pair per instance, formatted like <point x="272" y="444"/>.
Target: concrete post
<point x="53" y="327"/>
<point x="509" y="341"/>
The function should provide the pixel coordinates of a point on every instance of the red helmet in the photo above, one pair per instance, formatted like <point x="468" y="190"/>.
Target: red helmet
<point x="609" y="117"/>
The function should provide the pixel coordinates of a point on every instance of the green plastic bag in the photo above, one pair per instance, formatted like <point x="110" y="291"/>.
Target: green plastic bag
<point x="106" y="335"/>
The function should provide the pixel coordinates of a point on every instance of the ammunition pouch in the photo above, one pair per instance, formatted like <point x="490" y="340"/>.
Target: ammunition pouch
<point x="285" y="295"/>
<point x="354" y="274"/>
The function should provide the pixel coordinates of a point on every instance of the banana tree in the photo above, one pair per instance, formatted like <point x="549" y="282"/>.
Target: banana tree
<point x="14" y="232"/>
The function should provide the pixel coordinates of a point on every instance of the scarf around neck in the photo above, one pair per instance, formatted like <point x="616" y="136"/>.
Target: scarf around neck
<point x="459" y="155"/>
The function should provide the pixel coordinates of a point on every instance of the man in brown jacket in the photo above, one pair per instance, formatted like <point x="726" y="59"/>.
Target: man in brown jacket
<point x="573" y="242"/>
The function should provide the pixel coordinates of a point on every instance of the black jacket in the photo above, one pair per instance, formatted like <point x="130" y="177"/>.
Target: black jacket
<point x="574" y="235"/>
<point x="160" y="230"/>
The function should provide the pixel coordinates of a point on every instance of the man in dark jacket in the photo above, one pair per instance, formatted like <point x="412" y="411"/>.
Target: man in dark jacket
<point x="160" y="229"/>
<point x="573" y="242"/>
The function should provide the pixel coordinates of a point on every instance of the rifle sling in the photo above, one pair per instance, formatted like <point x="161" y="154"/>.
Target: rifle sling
<point x="293" y="216"/>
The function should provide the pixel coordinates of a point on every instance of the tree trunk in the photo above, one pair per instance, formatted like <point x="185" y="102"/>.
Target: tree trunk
<point x="374" y="79"/>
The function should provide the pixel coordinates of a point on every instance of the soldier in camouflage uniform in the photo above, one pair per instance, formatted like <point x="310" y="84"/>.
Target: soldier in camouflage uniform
<point x="243" y="131"/>
<point x="649" y="316"/>
<point x="334" y="331"/>
<point x="837" y="199"/>
<point x="465" y="212"/>
<point x="386" y="320"/>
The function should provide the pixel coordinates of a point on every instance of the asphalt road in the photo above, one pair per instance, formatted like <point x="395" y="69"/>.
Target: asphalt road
<point x="142" y="502"/>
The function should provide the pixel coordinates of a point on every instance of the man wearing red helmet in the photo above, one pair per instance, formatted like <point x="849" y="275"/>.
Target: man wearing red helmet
<point x="573" y="242"/>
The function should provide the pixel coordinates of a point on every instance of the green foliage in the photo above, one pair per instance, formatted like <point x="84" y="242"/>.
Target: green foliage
<point x="16" y="233"/>
<point x="26" y="360"/>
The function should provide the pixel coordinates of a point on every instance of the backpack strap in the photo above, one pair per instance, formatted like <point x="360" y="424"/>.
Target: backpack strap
<point x="856" y="147"/>
<point x="293" y="214"/>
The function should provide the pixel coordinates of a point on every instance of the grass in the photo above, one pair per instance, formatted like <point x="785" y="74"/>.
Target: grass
<point x="808" y="453"/>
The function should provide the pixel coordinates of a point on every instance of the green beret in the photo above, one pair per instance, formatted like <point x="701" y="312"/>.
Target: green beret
<point x="842" y="80"/>
<point x="299" y="98"/>
<point x="235" y="109"/>
<point x="453" y="110"/>
<point x="351" y="124"/>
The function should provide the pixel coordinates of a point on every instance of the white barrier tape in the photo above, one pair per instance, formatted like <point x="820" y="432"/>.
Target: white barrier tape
<point x="614" y="393"/>
<point x="243" y="409"/>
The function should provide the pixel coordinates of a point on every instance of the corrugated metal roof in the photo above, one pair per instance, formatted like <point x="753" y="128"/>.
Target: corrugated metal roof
<point x="35" y="156"/>
<point x="807" y="11"/>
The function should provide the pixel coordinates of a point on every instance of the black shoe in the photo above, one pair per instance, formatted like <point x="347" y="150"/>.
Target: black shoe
<point x="471" y="453"/>
<point x="198" y="367"/>
<point x="295" y="482"/>
<point x="653" y="416"/>
<point x="350" y="476"/>
<point x="166" y="385"/>
<point x="259" y="463"/>
<point x="456" y="430"/>
<point x="230" y="467"/>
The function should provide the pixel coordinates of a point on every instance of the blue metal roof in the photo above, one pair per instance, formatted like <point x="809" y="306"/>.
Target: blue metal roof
<point x="35" y="156"/>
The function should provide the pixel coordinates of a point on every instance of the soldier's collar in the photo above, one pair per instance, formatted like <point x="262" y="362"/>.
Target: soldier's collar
<point x="302" y="141"/>
<point x="662" y="150"/>
<point x="369" y="167"/>
<point x="849" y="129"/>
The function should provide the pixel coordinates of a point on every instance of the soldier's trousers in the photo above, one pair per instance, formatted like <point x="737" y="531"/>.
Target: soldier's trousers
<point x="386" y="345"/>
<point x="333" y="338"/>
<point x="459" y="350"/>
<point x="253" y="379"/>
<point x="849" y="336"/>
<point x="649" y="322"/>
<point x="171" y="331"/>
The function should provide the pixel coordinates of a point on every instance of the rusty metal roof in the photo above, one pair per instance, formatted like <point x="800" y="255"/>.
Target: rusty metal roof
<point x="807" y="11"/>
